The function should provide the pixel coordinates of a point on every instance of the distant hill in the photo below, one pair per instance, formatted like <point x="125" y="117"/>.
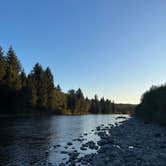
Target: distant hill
<point x="125" y="108"/>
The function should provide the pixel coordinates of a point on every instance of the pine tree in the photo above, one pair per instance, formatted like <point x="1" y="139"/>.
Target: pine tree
<point x="58" y="88"/>
<point x="79" y="94"/>
<point x="49" y="80"/>
<point x="103" y="105"/>
<point x="23" y="79"/>
<point x="97" y="103"/>
<point x="13" y="70"/>
<point x="41" y="85"/>
<point x="31" y="84"/>
<point x="113" y="107"/>
<point x="71" y="100"/>
<point x="59" y="102"/>
<point x="2" y="65"/>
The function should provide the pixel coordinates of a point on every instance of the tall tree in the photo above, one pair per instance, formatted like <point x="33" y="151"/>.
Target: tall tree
<point x="2" y="65"/>
<point x="41" y="85"/>
<point x="71" y="100"/>
<point x="23" y="79"/>
<point x="59" y="88"/>
<point x="79" y="94"/>
<point x="97" y="103"/>
<point x="13" y="70"/>
<point x="31" y="84"/>
<point x="49" y="81"/>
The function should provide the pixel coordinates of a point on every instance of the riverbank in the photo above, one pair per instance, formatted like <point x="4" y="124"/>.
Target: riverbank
<point x="36" y="113"/>
<point x="130" y="143"/>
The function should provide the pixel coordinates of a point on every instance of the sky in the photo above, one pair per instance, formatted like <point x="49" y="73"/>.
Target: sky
<point x="112" y="48"/>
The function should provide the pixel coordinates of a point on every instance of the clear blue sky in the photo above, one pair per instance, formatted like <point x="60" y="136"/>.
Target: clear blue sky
<point x="115" y="48"/>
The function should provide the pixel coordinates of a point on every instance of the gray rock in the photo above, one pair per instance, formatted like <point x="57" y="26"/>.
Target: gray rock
<point x="69" y="143"/>
<point x="90" y="145"/>
<point x="98" y="128"/>
<point x="64" y="152"/>
<point x="83" y="148"/>
<point x="73" y="155"/>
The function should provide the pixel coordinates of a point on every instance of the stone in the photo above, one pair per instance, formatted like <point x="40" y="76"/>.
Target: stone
<point x="83" y="148"/>
<point x="69" y="143"/>
<point x="157" y="135"/>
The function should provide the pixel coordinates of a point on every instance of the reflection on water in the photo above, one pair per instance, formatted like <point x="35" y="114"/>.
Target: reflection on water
<point x="40" y="141"/>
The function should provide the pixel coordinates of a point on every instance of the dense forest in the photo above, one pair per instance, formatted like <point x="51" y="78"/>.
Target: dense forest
<point x="36" y="92"/>
<point x="153" y="105"/>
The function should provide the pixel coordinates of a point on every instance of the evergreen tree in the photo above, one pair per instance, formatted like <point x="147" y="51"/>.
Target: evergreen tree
<point x="23" y="79"/>
<point x="49" y="81"/>
<point x="79" y="94"/>
<point x="41" y="85"/>
<point x="71" y="100"/>
<point x="37" y="91"/>
<point x="2" y="65"/>
<point x="13" y="70"/>
<point x="31" y="84"/>
<point x="59" y="102"/>
<point x="97" y="105"/>
<point x="103" y="105"/>
<point x="113" y="107"/>
<point x="59" y="88"/>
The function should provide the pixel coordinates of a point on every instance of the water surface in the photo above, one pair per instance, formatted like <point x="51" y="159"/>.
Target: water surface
<point x="41" y="140"/>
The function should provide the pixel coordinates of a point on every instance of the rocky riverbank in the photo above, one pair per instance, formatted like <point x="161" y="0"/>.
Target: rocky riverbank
<point x="130" y="143"/>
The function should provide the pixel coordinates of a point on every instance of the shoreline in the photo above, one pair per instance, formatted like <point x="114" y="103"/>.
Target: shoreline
<point x="49" y="114"/>
<point x="128" y="143"/>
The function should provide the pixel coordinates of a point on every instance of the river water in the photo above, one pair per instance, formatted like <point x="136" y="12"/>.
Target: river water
<point x="41" y="140"/>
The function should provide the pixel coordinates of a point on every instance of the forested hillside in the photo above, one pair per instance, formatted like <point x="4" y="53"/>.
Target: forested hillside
<point x="153" y="105"/>
<point x="22" y="93"/>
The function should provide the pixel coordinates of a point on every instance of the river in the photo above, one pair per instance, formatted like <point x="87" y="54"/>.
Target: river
<point x="42" y="140"/>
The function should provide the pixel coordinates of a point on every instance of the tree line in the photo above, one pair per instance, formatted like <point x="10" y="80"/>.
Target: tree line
<point x="22" y="93"/>
<point x="153" y="105"/>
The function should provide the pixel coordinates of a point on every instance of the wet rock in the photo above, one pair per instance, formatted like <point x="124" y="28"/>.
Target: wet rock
<point x="90" y="145"/>
<point x="162" y="146"/>
<point x="72" y="163"/>
<point x="79" y="139"/>
<point x="102" y="142"/>
<point x="84" y="162"/>
<point x="83" y="148"/>
<point x="63" y="152"/>
<point x="98" y="128"/>
<point x="157" y="135"/>
<point x="87" y="159"/>
<point x="73" y="155"/>
<point x="116" y="124"/>
<point x="121" y="117"/>
<point x="46" y="152"/>
<point x="69" y="143"/>
<point x="102" y="135"/>
<point x="56" y="146"/>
